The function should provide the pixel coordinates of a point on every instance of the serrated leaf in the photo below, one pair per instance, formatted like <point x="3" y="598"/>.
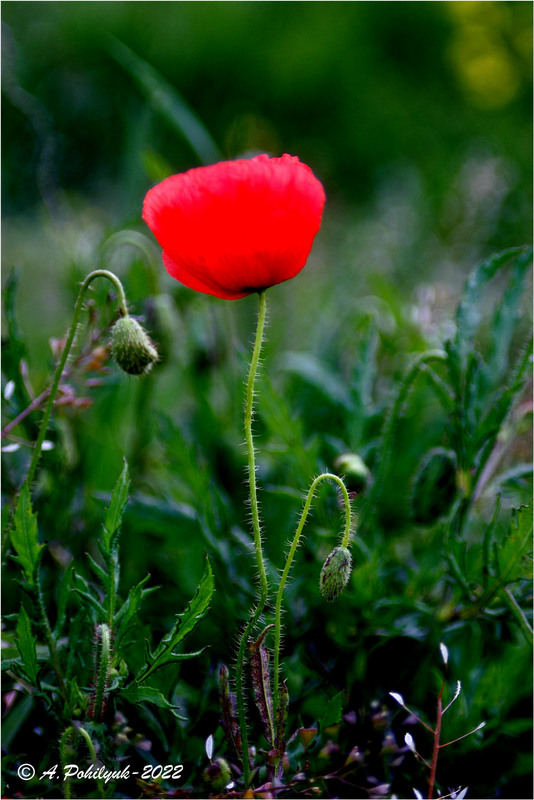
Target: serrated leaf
<point x="512" y="555"/>
<point x="81" y="587"/>
<point x="505" y="318"/>
<point x="333" y="711"/>
<point x="26" y="644"/>
<point x="186" y="622"/>
<point x="24" y="537"/>
<point x="119" y="498"/>
<point x="261" y="682"/>
<point x="468" y="315"/>
<point x="147" y="694"/>
<point x="100" y="573"/>
<point x="129" y="608"/>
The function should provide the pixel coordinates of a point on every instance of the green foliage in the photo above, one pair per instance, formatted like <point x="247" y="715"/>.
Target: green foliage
<point x="24" y="538"/>
<point x="365" y="363"/>
<point x="186" y="622"/>
<point x="26" y="645"/>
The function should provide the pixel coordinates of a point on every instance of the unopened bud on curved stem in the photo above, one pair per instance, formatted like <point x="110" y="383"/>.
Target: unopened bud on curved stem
<point x="131" y="347"/>
<point x="335" y="573"/>
<point x="121" y="302"/>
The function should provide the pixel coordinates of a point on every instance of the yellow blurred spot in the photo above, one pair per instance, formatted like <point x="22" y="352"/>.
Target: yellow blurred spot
<point x="487" y="64"/>
<point x="490" y="78"/>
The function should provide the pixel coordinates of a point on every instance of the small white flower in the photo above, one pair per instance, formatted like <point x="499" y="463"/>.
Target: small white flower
<point x="444" y="653"/>
<point x="398" y="697"/>
<point x="408" y="739"/>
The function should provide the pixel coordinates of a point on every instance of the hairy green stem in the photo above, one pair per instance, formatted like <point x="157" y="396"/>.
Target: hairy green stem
<point x="103" y="663"/>
<point x="66" y="737"/>
<point x="289" y="561"/>
<point x="256" y="527"/>
<point x="121" y="299"/>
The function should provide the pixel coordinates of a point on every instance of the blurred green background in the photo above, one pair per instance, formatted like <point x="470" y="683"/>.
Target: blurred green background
<point x="417" y="117"/>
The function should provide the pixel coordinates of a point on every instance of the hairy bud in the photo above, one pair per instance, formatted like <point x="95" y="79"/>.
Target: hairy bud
<point x="217" y="775"/>
<point x="335" y="573"/>
<point x="131" y="347"/>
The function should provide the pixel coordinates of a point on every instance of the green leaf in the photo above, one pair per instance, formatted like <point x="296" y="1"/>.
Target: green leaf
<point x="186" y="622"/>
<point x="468" y="315"/>
<point x="166" y="100"/>
<point x="319" y="376"/>
<point x="26" y="645"/>
<point x="333" y="711"/>
<point x="81" y="587"/>
<point x="513" y="562"/>
<point x="24" y="537"/>
<point x="506" y="318"/>
<point x="129" y="608"/>
<point x="147" y="694"/>
<point x="119" y="498"/>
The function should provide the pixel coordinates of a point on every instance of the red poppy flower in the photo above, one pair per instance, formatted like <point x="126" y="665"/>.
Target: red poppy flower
<point x="236" y="227"/>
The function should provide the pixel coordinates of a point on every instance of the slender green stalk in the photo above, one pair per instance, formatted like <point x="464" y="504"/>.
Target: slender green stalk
<point x="289" y="561"/>
<point x="436" y="746"/>
<point x="50" y="639"/>
<point x="256" y="527"/>
<point x="121" y="298"/>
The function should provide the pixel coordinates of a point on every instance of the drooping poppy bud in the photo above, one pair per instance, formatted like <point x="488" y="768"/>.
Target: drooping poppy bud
<point x="131" y="347"/>
<point x="335" y="573"/>
<point x="237" y="227"/>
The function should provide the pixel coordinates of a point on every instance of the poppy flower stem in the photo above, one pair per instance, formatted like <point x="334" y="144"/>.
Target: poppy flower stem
<point x="256" y="528"/>
<point x="295" y="543"/>
<point x="121" y="300"/>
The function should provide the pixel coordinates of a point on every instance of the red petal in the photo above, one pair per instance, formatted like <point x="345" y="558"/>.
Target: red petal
<point x="239" y="226"/>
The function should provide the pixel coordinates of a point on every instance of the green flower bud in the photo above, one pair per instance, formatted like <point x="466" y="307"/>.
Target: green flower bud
<point x="354" y="469"/>
<point x="434" y="485"/>
<point x="131" y="347"/>
<point x="335" y="573"/>
<point x="217" y="775"/>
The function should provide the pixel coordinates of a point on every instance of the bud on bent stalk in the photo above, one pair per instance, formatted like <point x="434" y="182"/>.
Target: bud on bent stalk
<point x="335" y="573"/>
<point x="131" y="347"/>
